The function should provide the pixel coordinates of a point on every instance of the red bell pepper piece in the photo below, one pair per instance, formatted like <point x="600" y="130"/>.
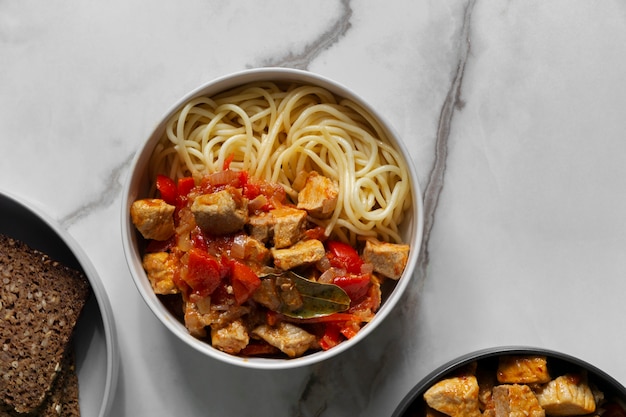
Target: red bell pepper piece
<point x="203" y="272"/>
<point x="174" y="193"/>
<point x="228" y="161"/>
<point x="185" y="185"/>
<point x="198" y="239"/>
<point x="342" y="255"/>
<point x="243" y="178"/>
<point x="244" y="281"/>
<point x="350" y="329"/>
<point x="251" y="190"/>
<point x="331" y="337"/>
<point x="356" y="286"/>
<point x="167" y="188"/>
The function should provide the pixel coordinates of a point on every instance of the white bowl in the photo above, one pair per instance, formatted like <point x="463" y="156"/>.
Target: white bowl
<point x="137" y="187"/>
<point x="95" y="339"/>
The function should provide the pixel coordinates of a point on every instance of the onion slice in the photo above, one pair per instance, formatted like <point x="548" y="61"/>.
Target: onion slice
<point x="226" y="177"/>
<point x="238" y="248"/>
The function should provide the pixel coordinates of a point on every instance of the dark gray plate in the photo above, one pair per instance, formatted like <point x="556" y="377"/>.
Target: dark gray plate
<point x="95" y="340"/>
<point x="412" y="404"/>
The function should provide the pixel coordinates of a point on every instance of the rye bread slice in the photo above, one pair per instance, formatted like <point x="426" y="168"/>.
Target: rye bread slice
<point x="62" y="400"/>
<point x="66" y="403"/>
<point x="40" y="302"/>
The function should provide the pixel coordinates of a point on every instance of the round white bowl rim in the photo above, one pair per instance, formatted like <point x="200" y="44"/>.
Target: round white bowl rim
<point x="224" y="83"/>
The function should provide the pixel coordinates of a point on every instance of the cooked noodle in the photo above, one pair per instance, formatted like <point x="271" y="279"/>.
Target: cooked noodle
<point x="277" y="133"/>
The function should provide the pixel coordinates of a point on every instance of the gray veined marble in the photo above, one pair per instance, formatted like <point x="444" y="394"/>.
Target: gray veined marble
<point x="513" y="113"/>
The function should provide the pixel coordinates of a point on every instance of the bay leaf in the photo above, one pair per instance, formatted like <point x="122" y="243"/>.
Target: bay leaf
<point x="318" y="299"/>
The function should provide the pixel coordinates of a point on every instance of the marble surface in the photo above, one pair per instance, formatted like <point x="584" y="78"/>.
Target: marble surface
<point x="514" y="113"/>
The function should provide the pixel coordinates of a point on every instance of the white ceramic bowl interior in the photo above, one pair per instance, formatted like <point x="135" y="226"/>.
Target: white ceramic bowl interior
<point x="137" y="187"/>
<point x="95" y="339"/>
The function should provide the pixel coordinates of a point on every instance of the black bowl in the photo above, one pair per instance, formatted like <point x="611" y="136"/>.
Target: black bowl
<point x="413" y="403"/>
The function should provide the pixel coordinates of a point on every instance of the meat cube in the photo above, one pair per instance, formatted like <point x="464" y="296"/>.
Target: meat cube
<point x="267" y="294"/>
<point x="200" y="313"/>
<point x="289" y="225"/>
<point x="456" y="396"/>
<point x="567" y="395"/>
<point x="522" y="369"/>
<point x="278" y="293"/>
<point x="303" y="252"/>
<point x="198" y="316"/>
<point x="289" y="338"/>
<point x="282" y="227"/>
<point x="232" y="338"/>
<point x="220" y="213"/>
<point x="516" y="401"/>
<point x="153" y="217"/>
<point x="319" y="196"/>
<point x="389" y="259"/>
<point x="255" y="251"/>
<point x="160" y="268"/>
<point x="261" y="227"/>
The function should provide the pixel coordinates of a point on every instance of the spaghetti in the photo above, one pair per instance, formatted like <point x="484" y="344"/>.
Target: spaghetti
<point x="278" y="132"/>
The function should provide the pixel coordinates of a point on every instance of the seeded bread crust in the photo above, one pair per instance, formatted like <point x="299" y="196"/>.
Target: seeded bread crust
<point x="40" y="302"/>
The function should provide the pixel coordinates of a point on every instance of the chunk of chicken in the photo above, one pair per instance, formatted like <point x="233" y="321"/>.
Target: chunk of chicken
<point x="456" y="396"/>
<point x="522" y="369"/>
<point x="289" y="338"/>
<point x="153" y="217"/>
<point x="389" y="259"/>
<point x="288" y="227"/>
<point x="198" y="316"/>
<point x="200" y="313"/>
<point x="278" y="293"/>
<point x="319" y="196"/>
<point x="232" y="338"/>
<point x="220" y="213"/>
<point x="516" y="401"/>
<point x="302" y="253"/>
<point x="567" y="395"/>
<point x="160" y="268"/>
<point x="268" y="294"/>
<point x="261" y="226"/>
<point x="255" y="251"/>
<point x="282" y="227"/>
